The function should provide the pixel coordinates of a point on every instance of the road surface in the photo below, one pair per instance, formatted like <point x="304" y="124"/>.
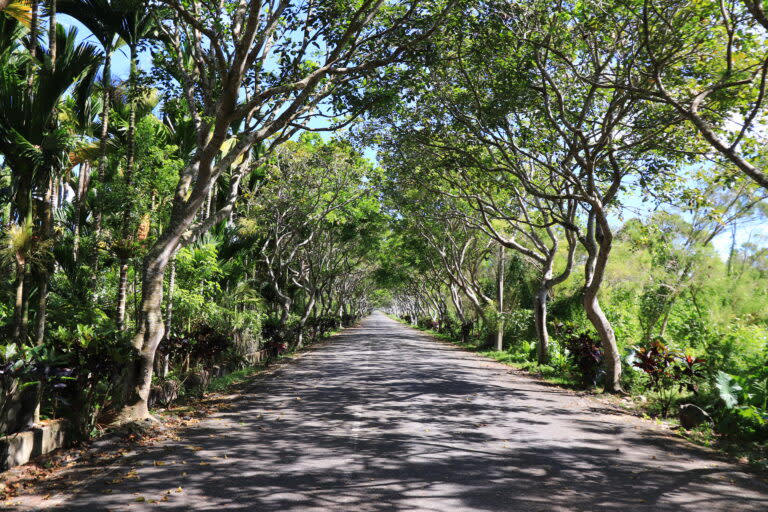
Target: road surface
<point x="383" y="418"/>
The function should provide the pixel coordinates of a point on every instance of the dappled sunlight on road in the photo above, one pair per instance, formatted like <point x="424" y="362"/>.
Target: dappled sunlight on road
<point x="385" y="419"/>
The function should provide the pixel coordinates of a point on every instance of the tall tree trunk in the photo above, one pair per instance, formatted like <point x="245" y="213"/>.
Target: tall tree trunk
<point x="34" y="27"/>
<point x="46" y="232"/>
<point x="169" y="315"/>
<point x="599" y="240"/>
<point x="101" y="170"/>
<point x="24" y="329"/>
<point x="52" y="32"/>
<point x="665" y="321"/>
<point x="135" y="288"/>
<point x="323" y="304"/>
<point x="285" y="312"/>
<point x="62" y="193"/>
<point x="732" y="251"/>
<point x="303" y="321"/>
<point x="44" y="274"/>
<point x="500" y="296"/>
<point x="169" y="300"/>
<point x="457" y="303"/>
<point x="122" y="293"/>
<point x="147" y="338"/>
<point x="18" y="310"/>
<point x="208" y="203"/>
<point x="131" y="139"/>
<point x="611" y="358"/>
<point x="80" y="196"/>
<point x="129" y="167"/>
<point x="540" y="319"/>
<point x="22" y="209"/>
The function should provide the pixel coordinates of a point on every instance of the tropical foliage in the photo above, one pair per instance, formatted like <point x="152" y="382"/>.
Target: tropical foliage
<point x="579" y="187"/>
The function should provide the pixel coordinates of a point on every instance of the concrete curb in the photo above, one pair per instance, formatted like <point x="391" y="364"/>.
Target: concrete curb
<point x="19" y="448"/>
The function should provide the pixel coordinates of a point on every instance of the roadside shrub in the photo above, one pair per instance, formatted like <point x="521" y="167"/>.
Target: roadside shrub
<point x="523" y="351"/>
<point x="558" y="357"/>
<point x="569" y="311"/>
<point x="668" y="371"/>
<point x="585" y="354"/>
<point x="197" y="381"/>
<point x="83" y="380"/>
<point x="275" y="347"/>
<point x="519" y="326"/>
<point x="318" y="327"/>
<point x="745" y="404"/>
<point x="205" y="346"/>
<point x="19" y="385"/>
<point x="426" y="322"/>
<point x="271" y="329"/>
<point x="165" y="391"/>
<point x="347" y="320"/>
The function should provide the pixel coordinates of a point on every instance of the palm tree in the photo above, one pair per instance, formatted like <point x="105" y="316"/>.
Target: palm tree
<point x="30" y="141"/>
<point x="80" y="115"/>
<point x="132" y="22"/>
<point x="104" y="19"/>
<point x="126" y="113"/>
<point x="139" y="25"/>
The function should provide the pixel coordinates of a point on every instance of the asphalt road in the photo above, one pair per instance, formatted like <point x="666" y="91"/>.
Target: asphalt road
<point x="383" y="418"/>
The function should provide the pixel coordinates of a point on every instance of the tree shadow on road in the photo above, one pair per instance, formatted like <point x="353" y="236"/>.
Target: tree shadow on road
<point x="383" y="420"/>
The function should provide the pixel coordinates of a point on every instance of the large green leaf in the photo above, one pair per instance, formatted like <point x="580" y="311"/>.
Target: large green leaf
<point x="728" y="389"/>
<point x="8" y="351"/>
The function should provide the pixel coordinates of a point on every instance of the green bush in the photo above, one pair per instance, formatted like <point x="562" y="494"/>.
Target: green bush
<point x="745" y="404"/>
<point x="519" y="326"/>
<point x="669" y="371"/>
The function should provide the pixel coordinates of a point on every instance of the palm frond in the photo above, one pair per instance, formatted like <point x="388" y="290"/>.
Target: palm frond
<point x="20" y="10"/>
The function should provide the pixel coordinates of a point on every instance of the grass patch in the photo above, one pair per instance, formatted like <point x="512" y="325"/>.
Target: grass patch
<point x="234" y="379"/>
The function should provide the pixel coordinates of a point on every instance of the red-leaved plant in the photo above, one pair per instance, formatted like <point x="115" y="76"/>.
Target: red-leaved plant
<point x="668" y="370"/>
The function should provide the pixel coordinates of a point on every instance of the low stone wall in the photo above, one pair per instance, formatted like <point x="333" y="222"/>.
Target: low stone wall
<point x="257" y="357"/>
<point x="21" y="447"/>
